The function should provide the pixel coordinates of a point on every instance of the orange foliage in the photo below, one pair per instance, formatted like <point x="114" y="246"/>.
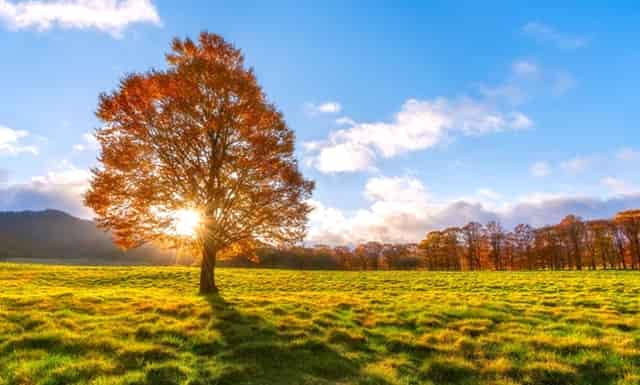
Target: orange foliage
<point x="200" y="134"/>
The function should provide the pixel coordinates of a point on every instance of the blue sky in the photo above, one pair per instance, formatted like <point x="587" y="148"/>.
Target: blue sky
<point x="409" y="115"/>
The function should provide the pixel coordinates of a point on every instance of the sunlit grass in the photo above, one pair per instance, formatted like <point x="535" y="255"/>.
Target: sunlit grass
<point x="146" y="325"/>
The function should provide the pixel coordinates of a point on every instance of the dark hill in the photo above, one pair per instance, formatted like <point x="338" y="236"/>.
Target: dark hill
<point x="57" y="237"/>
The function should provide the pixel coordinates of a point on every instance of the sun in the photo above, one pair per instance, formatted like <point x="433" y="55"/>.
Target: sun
<point x="186" y="222"/>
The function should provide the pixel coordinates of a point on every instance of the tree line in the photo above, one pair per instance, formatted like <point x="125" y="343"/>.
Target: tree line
<point x="572" y="244"/>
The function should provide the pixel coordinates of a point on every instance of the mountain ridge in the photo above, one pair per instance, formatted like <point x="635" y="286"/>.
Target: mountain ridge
<point x="54" y="236"/>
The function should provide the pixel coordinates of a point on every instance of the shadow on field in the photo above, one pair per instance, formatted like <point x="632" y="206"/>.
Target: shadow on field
<point x="256" y="351"/>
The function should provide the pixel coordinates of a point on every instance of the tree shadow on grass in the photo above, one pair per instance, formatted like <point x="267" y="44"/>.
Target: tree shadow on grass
<point x="254" y="351"/>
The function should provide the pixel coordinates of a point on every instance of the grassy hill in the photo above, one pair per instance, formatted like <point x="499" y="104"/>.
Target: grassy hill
<point x="147" y="325"/>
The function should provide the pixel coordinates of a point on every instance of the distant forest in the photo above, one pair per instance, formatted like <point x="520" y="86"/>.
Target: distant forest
<point x="573" y="244"/>
<point x="55" y="237"/>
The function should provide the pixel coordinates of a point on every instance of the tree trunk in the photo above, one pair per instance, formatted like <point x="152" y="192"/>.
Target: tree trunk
<point x="207" y="269"/>
<point x="635" y="258"/>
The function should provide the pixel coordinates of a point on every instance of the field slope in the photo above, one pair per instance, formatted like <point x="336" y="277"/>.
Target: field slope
<point x="146" y="325"/>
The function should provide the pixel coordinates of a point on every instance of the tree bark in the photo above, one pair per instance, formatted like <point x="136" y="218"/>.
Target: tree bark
<point x="635" y="258"/>
<point x="207" y="269"/>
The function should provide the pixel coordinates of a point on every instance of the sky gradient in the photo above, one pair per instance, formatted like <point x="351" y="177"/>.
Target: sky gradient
<point x="409" y="117"/>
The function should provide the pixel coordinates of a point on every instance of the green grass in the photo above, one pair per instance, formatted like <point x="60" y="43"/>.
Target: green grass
<point x="147" y="325"/>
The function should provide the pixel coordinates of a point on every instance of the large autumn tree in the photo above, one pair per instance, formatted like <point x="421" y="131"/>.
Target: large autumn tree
<point x="201" y="136"/>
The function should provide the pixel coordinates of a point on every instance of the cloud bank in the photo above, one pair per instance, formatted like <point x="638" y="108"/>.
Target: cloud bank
<point x="61" y="189"/>
<point x="420" y="124"/>
<point x="402" y="210"/>
<point x="110" y="16"/>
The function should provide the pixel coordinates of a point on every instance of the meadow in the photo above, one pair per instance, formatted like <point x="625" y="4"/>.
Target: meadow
<point x="148" y="325"/>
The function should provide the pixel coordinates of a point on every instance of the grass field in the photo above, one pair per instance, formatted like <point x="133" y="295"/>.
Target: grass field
<point x="146" y="325"/>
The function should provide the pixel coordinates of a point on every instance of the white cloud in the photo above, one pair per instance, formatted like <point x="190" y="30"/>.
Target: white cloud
<point x="111" y="16"/>
<point x="545" y="33"/>
<point x="618" y="186"/>
<point x="90" y="143"/>
<point x="526" y="81"/>
<point x="11" y="142"/>
<point x="520" y="121"/>
<point x="561" y="82"/>
<point x="341" y="157"/>
<point x="61" y="188"/>
<point x="345" y="121"/>
<point x="628" y="154"/>
<point x="540" y="169"/>
<point x="323" y="108"/>
<point x="398" y="207"/>
<point x="66" y="174"/>
<point x="489" y="194"/>
<point x="575" y="165"/>
<point x="328" y="225"/>
<point x="524" y="68"/>
<point x="399" y="190"/>
<point x="402" y="210"/>
<point x="513" y="92"/>
<point x="420" y="124"/>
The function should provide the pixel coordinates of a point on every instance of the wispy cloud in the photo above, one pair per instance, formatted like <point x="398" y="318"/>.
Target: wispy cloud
<point x="420" y="124"/>
<point x="89" y="143"/>
<point x="489" y="194"/>
<point x="527" y="80"/>
<point x="345" y="121"/>
<point x="619" y="186"/>
<point x="11" y="142"/>
<point x="110" y="16"/>
<point x="323" y="108"/>
<point x="545" y="33"/>
<point x="540" y="169"/>
<point x="524" y="68"/>
<point x="575" y="165"/>
<point x="628" y="154"/>
<point x="561" y="82"/>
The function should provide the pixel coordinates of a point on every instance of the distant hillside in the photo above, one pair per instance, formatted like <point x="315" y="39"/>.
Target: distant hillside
<point x="54" y="236"/>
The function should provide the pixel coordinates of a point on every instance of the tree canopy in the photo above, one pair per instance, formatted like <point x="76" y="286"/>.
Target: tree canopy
<point x="199" y="135"/>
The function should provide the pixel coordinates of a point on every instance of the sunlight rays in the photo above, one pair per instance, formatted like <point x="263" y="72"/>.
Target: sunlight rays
<point x="186" y="222"/>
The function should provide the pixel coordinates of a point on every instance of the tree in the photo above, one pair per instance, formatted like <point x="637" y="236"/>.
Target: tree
<point x="451" y="245"/>
<point x="619" y="244"/>
<point x="433" y="249"/>
<point x="496" y="236"/>
<point x="629" y="222"/>
<point x="199" y="135"/>
<point x="599" y="243"/>
<point x="345" y="257"/>
<point x="523" y="238"/>
<point x="473" y="233"/>
<point x="369" y="255"/>
<point x="548" y="247"/>
<point x="574" y="231"/>
<point x="391" y="253"/>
